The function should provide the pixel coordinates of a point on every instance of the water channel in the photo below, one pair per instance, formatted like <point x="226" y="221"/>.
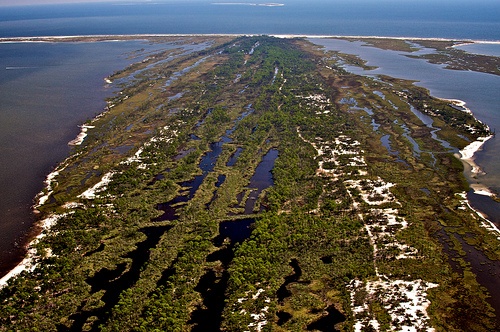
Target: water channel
<point x="480" y="91"/>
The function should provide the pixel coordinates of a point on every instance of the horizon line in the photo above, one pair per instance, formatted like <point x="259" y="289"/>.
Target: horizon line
<point x="62" y="38"/>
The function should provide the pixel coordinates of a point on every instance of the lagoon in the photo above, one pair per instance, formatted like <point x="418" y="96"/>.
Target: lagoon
<point x="478" y="90"/>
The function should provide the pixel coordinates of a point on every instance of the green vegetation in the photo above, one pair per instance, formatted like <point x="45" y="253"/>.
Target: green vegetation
<point x="111" y="264"/>
<point x="457" y="59"/>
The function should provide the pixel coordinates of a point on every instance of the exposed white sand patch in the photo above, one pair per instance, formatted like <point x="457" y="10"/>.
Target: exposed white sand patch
<point x="72" y="205"/>
<point x="481" y="189"/>
<point x="357" y="162"/>
<point x="373" y="192"/>
<point x="29" y="262"/>
<point x="44" y="197"/>
<point x="276" y="71"/>
<point x="317" y="97"/>
<point x="390" y="217"/>
<point x="100" y="186"/>
<point x="81" y="136"/>
<point x="458" y="103"/>
<point x="135" y="158"/>
<point x="259" y="318"/>
<point x="319" y="101"/>
<point x="405" y="301"/>
<point x="334" y="156"/>
<point x="284" y="81"/>
<point x="256" y="295"/>
<point x="165" y="136"/>
<point x="382" y="225"/>
<point x="467" y="154"/>
<point x="257" y="44"/>
<point x="332" y="152"/>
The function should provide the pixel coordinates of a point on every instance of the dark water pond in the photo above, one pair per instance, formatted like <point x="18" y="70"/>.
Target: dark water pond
<point x="262" y="179"/>
<point x="114" y="282"/>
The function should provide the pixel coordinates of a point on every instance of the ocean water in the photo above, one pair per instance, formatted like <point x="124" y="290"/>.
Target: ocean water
<point x="48" y="89"/>
<point x="470" y="19"/>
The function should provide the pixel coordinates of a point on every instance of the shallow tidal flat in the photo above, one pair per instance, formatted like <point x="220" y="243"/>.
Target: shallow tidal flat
<point x="167" y="216"/>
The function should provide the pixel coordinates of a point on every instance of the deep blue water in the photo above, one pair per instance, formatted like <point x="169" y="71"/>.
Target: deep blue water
<point x="470" y="19"/>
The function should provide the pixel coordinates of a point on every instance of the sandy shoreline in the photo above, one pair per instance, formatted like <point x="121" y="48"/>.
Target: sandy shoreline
<point x="145" y="36"/>
<point x="29" y="262"/>
<point x="486" y="223"/>
<point x="81" y="136"/>
<point x="467" y="153"/>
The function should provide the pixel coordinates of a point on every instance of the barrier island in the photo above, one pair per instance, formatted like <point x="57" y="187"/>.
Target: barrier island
<point x="256" y="185"/>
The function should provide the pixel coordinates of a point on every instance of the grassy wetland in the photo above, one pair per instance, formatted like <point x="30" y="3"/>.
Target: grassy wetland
<point x="255" y="185"/>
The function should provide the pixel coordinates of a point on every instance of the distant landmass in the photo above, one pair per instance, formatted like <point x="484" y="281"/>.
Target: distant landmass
<point x="269" y="4"/>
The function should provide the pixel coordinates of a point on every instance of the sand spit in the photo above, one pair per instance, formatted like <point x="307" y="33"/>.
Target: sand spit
<point x="467" y="154"/>
<point x="50" y="183"/>
<point x="107" y="38"/>
<point x="43" y="197"/>
<point x="457" y="104"/>
<point x="477" y="42"/>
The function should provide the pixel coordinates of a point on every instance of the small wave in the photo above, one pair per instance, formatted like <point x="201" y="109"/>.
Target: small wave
<point x="18" y="68"/>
